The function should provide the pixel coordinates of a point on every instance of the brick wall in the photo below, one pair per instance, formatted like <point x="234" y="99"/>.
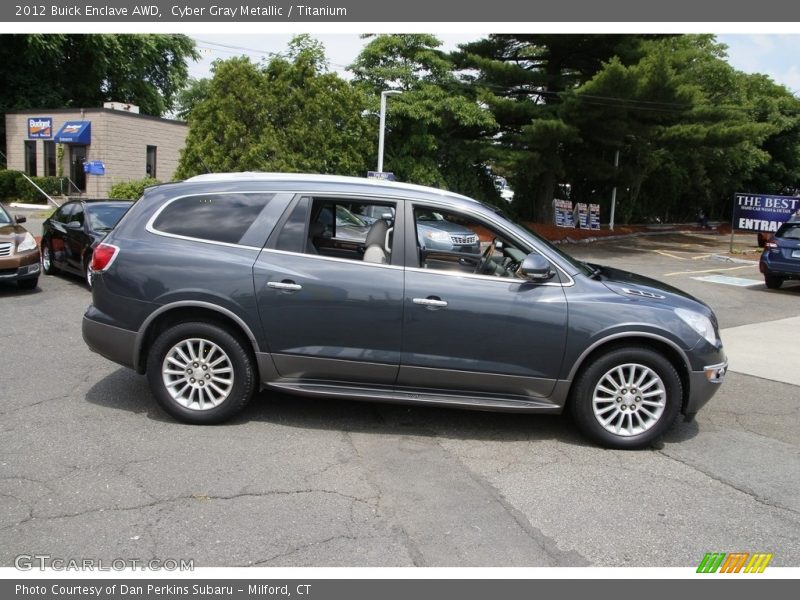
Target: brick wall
<point x="118" y="139"/>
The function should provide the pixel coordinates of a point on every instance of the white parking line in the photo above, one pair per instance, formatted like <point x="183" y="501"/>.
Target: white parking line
<point x="707" y="271"/>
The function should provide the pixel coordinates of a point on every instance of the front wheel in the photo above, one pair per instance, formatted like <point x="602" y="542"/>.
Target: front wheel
<point x="773" y="282"/>
<point x="200" y="373"/>
<point x="47" y="260"/>
<point x="627" y="398"/>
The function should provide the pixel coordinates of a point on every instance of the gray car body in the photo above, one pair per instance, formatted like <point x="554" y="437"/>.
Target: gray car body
<point x="500" y="344"/>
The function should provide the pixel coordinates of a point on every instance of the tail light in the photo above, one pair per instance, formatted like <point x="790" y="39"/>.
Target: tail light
<point x="771" y="245"/>
<point x="103" y="256"/>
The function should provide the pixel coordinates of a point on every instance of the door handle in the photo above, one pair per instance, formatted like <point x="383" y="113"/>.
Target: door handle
<point x="288" y="286"/>
<point x="431" y="302"/>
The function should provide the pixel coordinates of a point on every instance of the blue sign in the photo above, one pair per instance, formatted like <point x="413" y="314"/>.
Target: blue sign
<point x="75" y="132"/>
<point x="563" y="213"/>
<point x="40" y="128"/>
<point x="759" y="212"/>
<point x="386" y="175"/>
<point x="94" y="167"/>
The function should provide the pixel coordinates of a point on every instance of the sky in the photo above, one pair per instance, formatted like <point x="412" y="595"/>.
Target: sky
<point x="777" y="55"/>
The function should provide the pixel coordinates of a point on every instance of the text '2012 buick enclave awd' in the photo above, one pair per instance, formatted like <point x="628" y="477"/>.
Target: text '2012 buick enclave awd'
<point x="223" y="284"/>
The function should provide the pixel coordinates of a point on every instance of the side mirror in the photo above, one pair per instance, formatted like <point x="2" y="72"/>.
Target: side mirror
<point x="387" y="216"/>
<point x="536" y="268"/>
<point x="18" y="219"/>
<point x="74" y="225"/>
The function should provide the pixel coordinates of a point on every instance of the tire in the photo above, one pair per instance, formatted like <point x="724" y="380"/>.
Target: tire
<point x="47" y="260"/>
<point x="28" y="284"/>
<point x="220" y="400"/>
<point x="647" y="412"/>
<point x="773" y="282"/>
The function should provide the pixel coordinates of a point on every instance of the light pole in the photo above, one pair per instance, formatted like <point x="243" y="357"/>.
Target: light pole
<point x="384" y="94"/>
<point x="614" y="192"/>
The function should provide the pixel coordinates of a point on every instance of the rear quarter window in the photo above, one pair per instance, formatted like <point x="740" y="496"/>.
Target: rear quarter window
<point x="790" y="231"/>
<point x="224" y="217"/>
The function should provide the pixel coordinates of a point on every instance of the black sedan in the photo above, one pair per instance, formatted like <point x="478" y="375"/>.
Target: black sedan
<point x="70" y="235"/>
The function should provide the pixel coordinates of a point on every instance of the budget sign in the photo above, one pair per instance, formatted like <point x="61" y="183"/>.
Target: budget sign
<point x="759" y="212"/>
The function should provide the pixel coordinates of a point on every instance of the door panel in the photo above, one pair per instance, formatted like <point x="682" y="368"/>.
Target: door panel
<point x="330" y="319"/>
<point x="493" y="336"/>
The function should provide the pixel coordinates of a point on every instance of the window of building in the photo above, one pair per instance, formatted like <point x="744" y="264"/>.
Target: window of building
<point x="49" y="159"/>
<point x="30" y="157"/>
<point x="215" y="217"/>
<point x="150" y="162"/>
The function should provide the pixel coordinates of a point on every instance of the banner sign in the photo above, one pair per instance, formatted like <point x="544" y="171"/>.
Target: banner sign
<point x="386" y="175"/>
<point x="562" y="210"/>
<point x="40" y="128"/>
<point x="761" y="212"/>
<point x="594" y="216"/>
<point x="582" y="211"/>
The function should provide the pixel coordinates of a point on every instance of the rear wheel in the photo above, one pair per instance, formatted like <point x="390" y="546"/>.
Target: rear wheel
<point x="200" y="373"/>
<point x="47" y="260"/>
<point x="773" y="282"/>
<point x="627" y="398"/>
<point x="87" y="270"/>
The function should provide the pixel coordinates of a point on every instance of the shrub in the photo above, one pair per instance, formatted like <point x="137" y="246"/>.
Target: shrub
<point x="131" y="190"/>
<point x="14" y="187"/>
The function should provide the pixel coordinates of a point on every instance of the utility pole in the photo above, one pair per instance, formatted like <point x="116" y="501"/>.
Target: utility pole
<point x="381" y="133"/>
<point x="614" y="192"/>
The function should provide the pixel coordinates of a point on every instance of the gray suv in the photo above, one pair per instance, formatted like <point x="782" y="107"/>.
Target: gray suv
<point x="221" y="285"/>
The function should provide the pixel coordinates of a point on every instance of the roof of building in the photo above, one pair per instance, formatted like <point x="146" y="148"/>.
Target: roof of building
<point x="77" y="109"/>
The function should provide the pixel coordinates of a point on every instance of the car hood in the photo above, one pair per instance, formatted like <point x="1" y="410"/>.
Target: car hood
<point x="9" y="233"/>
<point x="632" y="285"/>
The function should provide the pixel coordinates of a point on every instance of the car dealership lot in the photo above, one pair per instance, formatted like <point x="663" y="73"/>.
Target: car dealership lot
<point x="90" y="467"/>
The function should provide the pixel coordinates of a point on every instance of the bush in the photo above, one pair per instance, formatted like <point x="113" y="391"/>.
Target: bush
<point x="14" y="187"/>
<point x="131" y="190"/>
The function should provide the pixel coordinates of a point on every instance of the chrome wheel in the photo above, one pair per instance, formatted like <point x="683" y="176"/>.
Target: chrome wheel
<point x="197" y="374"/>
<point x="46" y="262"/>
<point x="89" y="275"/>
<point x="629" y="399"/>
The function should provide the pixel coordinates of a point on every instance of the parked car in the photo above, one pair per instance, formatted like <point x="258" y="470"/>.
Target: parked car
<point x="780" y="259"/>
<point x="217" y="286"/>
<point x="71" y="234"/>
<point x="19" y="254"/>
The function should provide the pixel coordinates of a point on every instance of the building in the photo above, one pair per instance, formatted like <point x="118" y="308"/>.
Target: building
<point x="99" y="146"/>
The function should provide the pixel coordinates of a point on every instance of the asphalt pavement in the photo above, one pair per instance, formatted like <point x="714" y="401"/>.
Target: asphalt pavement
<point x="91" y="467"/>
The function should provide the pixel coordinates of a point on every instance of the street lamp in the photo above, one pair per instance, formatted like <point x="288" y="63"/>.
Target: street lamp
<point x="384" y="94"/>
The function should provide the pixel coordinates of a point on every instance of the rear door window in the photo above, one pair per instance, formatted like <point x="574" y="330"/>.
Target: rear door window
<point x="223" y="217"/>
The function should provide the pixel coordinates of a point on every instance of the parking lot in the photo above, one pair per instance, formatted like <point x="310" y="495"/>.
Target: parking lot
<point x="90" y="467"/>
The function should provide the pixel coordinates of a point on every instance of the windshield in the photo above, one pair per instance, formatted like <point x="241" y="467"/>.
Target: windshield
<point x="345" y="217"/>
<point x="579" y="265"/>
<point x="104" y="218"/>
<point x="789" y="231"/>
<point x="5" y="219"/>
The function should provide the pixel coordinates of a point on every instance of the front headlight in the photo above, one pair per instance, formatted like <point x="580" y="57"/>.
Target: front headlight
<point x="700" y="323"/>
<point x="438" y="236"/>
<point x="27" y="243"/>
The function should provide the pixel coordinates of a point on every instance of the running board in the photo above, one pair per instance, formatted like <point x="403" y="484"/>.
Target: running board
<point x="429" y="397"/>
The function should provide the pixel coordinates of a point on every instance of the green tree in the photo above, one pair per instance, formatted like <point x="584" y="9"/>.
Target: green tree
<point x="436" y="131"/>
<point x="76" y="70"/>
<point x="195" y="91"/>
<point x="522" y="79"/>
<point x="287" y="115"/>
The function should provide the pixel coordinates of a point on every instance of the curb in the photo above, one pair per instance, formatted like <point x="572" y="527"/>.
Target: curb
<point x="30" y="206"/>
<point x="569" y="240"/>
<point x="734" y="260"/>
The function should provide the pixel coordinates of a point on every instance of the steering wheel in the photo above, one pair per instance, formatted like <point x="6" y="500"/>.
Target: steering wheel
<point x="484" y="261"/>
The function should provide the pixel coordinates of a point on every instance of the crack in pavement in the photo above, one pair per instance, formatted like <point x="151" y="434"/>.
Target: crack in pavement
<point x="748" y="492"/>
